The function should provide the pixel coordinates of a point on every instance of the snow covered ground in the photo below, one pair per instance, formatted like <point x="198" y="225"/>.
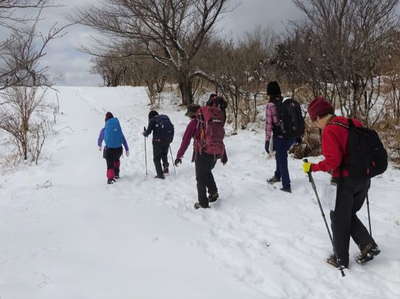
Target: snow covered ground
<point x="65" y="233"/>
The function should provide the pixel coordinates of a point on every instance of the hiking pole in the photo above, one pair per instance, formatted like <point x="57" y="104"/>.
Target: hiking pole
<point x="145" y="151"/>
<point x="311" y="180"/>
<point x="369" y="217"/>
<point x="172" y="159"/>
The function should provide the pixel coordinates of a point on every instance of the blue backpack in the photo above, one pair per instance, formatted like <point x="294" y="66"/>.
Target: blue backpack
<point x="113" y="133"/>
<point x="163" y="128"/>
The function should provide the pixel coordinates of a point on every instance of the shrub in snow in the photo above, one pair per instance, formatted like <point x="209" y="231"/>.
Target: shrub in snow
<point x="25" y="116"/>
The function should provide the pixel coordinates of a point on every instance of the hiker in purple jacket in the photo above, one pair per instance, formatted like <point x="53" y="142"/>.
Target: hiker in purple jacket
<point x="204" y="162"/>
<point x="113" y="148"/>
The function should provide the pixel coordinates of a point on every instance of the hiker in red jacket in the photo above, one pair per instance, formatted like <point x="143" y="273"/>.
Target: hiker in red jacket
<point x="204" y="161"/>
<point x="350" y="191"/>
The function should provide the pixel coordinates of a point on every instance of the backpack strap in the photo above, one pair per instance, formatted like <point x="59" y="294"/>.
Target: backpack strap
<point x="350" y="125"/>
<point x="336" y="123"/>
<point x="198" y="146"/>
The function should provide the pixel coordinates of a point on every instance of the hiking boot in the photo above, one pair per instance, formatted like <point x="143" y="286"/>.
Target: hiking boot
<point x="273" y="180"/>
<point x="287" y="189"/>
<point x="116" y="177"/>
<point x="332" y="260"/>
<point x="166" y="170"/>
<point x="368" y="253"/>
<point x="197" y="205"/>
<point x="159" y="177"/>
<point x="213" y="197"/>
<point x="110" y="181"/>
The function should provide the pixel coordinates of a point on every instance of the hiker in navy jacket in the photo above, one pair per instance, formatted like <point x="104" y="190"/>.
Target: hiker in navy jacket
<point x="114" y="139"/>
<point x="163" y="134"/>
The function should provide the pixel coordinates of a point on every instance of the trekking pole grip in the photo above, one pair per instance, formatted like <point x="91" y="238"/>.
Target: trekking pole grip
<point x="310" y="178"/>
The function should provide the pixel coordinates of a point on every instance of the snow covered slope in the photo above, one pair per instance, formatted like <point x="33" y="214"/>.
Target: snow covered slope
<point x="64" y="233"/>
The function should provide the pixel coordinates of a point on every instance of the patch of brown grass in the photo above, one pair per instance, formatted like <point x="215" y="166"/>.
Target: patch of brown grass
<point x="310" y="145"/>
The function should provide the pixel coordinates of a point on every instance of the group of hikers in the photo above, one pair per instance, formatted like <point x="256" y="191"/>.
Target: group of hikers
<point x="284" y="127"/>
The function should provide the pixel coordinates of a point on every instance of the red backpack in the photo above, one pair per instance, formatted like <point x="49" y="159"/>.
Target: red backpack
<point x="210" y="133"/>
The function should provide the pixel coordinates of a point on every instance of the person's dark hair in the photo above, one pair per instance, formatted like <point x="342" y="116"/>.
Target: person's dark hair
<point x="218" y="101"/>
<point x="273" y="89"/>
<point x="192" y="110"/>
<point x="108" y="116"/>
<point x="152" y="114"/>
<point x="211" y="99"/>
<point x="325" y="114"/>
<point x="221" y="103"/>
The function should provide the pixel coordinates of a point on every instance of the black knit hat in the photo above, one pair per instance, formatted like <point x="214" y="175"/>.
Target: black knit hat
<point x="273" y="89"/>
<point x="108" y="116"/>
<point x="152" y="114"/>
<point x="213" y="95"/>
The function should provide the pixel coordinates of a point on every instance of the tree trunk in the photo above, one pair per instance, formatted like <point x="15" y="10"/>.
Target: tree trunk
<point x="236" y="110"/>
<point x="185" y="87"/>
<point x="255" y="108"/>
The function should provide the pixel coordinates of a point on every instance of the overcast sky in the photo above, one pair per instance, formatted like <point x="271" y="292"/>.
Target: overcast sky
<point x="72" y="67"/>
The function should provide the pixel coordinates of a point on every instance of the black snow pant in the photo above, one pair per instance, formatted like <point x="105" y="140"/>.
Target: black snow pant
<point x="112" y="156"/>
<point x="160" y="153"/>
<point x="204" y="164"/>
<point x="350" y="196"/>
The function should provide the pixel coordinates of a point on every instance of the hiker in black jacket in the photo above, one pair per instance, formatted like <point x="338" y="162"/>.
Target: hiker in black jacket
<point x="163" y="134"/>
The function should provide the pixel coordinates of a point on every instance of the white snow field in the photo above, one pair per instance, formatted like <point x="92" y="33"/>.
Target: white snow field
<point x="66" y="234"/>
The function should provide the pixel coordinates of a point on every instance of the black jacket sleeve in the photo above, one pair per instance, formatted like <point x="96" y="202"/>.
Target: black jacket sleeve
<point x="150" y="128"/>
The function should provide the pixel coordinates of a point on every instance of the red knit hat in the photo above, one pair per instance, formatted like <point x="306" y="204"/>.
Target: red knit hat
<point x="319" y="107"/>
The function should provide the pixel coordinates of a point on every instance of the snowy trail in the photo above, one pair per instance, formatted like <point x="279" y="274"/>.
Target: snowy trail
<point x="66" y="234"/>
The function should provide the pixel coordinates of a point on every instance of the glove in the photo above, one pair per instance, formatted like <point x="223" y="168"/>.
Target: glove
<point x="224" y="159"/>
<point x="307" y="167"/>
<point x="267" y="146"/>
<point x="127" y="153"/>
<point x="144" y="134"/>
<point x="100" y="148"/>
<point x="177" y="161"/>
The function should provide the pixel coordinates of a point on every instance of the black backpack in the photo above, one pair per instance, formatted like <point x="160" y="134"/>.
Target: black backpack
<point x="366" y="155"/>
<point x="163" y="128"/>
<point x="291" y="120"/>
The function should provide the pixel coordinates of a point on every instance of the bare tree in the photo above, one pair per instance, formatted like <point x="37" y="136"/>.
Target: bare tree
<point x="171" y="32"/>
<point x="237" y="70"/>
<point x="391" y="78"/>
<point x="21" y="116"/>
<point x="112" y="70"/>
<point x="117" y="67"/>
<point x="347" y="41"/>
<point x="23" y="47"/>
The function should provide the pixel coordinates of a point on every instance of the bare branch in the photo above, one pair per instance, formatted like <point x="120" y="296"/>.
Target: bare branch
<point x="171" y="32"/>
